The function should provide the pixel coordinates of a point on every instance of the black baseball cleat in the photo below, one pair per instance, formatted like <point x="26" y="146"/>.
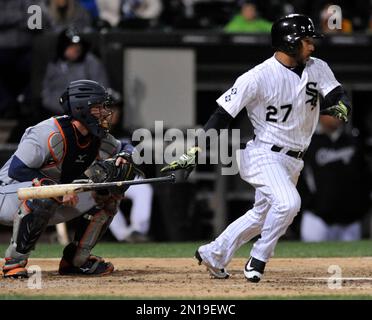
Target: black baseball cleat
<point x="254" y="269"/>
<point x="214" y="272"/>
<point x="94" y="266"/>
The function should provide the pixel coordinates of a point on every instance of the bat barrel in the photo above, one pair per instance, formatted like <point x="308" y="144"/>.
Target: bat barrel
<point x="47" y="191"/>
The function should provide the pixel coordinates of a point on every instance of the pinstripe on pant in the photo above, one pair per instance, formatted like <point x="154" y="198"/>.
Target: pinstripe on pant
<point x="274" y="176"/>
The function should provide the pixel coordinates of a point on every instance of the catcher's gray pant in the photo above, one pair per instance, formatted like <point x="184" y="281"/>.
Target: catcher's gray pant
<point x="9" y="205"/>
<point x="274" y="176"/>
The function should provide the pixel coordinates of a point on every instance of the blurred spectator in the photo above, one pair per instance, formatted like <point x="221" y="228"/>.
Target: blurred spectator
<point x="73" y="61"/>
<point x="140" y="13"/>
<point x="209" y="14"/>
<point x="133" y="226"/>
<point x="196" y="14"/>
<point x="334" y="185"/>
<point x="102" y="10"/>
<point x="91" y="7"/>
<point x="175" y="15"/>
<point x="15" y="56"/>
<point x="325" y="16"/>
<point x="109" y="12"/>
<point x="248" y="20"/>
<point x="62" y="14"/>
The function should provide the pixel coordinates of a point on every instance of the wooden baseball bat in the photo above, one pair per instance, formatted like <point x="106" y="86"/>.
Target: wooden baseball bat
<point x="59" y="190"/>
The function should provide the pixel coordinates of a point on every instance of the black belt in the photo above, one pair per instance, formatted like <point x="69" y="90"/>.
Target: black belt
<point x="291" y="153"/>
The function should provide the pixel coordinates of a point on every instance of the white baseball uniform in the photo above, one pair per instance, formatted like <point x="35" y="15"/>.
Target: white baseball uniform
<point x="284" y="110"/>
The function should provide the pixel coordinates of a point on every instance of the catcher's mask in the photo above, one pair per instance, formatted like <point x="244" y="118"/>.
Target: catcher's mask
<point x="88" y="102"/>
<point x="287" y="32"/>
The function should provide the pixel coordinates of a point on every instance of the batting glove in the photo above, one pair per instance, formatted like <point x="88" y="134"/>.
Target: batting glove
<point x="187" y="162"/>
<point x="339" y="111"/>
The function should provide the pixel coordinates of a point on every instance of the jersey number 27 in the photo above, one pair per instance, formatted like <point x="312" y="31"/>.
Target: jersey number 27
<point x="272" y="113"/>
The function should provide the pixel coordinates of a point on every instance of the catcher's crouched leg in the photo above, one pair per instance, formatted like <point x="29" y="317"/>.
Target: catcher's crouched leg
<point x="29" y="223"/>
<point x="77" y="259"/>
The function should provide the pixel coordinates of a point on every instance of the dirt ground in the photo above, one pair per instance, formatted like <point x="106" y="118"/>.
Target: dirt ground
<point x="183" y="277"/>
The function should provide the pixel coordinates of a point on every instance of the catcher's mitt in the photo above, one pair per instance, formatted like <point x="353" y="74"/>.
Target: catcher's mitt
<point x="107" y="171"/>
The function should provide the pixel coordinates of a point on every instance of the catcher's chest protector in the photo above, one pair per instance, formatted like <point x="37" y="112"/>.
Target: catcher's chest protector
<point x="77" y="157"/>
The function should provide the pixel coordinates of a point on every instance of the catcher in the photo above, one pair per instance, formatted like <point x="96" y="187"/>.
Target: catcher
<point x="60" y="150"/>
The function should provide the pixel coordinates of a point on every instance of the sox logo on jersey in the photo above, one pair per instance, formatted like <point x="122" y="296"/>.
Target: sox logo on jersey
<point x="313" y="93"/>
<point x="277" y="100"/>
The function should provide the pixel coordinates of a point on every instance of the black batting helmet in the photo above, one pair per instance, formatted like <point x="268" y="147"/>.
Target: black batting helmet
<point x="287" y="32"/>
<point x="77" y="100"/>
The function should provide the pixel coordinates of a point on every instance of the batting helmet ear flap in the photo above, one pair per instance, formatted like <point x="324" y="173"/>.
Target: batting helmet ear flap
<point x="64" y="102"/>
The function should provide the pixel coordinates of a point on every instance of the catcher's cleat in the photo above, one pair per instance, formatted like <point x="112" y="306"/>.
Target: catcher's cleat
<point x="94" y="266"/>
<point x="254" y="270"/>
<point x="214" y="272"/>
<point x="15" y="268"/>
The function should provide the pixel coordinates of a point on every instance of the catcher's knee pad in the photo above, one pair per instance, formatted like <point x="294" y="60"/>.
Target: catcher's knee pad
<point x="29" y="223"/>
<point x="106" y="201"/>
<point x="91" y="226"/>
<point x="111" y="206"/>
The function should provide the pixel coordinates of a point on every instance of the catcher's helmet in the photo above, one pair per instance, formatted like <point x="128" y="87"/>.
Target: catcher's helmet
<point x="287" y="32"/>
<point x="77" y="100"/>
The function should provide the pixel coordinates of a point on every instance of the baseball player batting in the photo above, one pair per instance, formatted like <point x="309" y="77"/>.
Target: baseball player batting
<point x="281" y="98"/>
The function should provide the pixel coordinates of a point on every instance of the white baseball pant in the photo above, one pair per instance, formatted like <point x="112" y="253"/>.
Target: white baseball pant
<point x="274" y="176"/>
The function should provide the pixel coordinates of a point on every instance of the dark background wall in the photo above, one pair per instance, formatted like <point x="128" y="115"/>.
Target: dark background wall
<point x="220" y="59"/>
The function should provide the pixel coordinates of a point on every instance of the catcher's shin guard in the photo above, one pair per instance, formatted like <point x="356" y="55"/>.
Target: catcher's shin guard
<point x="29" y="224"/>
<point x="91" y="227"/>
<point x="34" y="223"/>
